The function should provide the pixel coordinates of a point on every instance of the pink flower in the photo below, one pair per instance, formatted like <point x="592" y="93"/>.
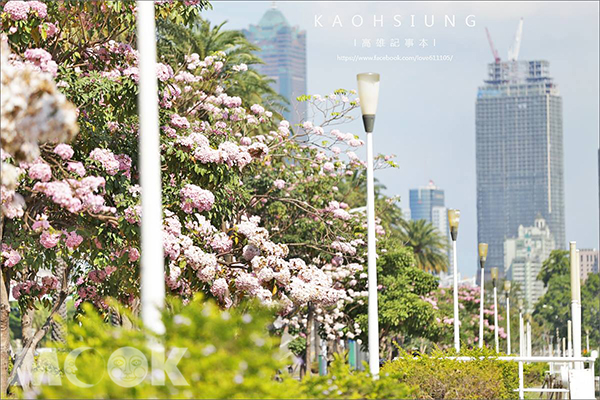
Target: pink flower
<point x="221" y="242"/>
<point x="64" y="151"/>
<point x="250" y="251"/>
<point x="40" y="170"/>
<point x="41" y="223"/>
<point x="12" y="257"/>
<point x="41" y="59"/>
<point x="257" y="109"/>
<point x="112" y="126"/>
<point x="77" y="168"/>
<point x="124" y="164"/>
<point x="179" y="122"/>
<point x="17" y="10"/>
<point x="279" y="183"/>
<point x="133" y="73"/>
<point x="164" y="72"/>
<point x="51" y="29"/>
<point x="97" y="275"/>
<point x="220" y="288"/>
<point x="107" y="159"/>
<point x="49" y="240"/>
<point x="49" y="283"/>
<point x="133" y="214"/>
<point x="328" y="167"/>
<point x="194" y="197"/>
<point x="73" y="240"/>
<point x="134" y="254"/>
<point x="39" y="7"/>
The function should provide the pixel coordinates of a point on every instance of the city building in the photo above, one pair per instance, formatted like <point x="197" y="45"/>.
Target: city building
<point x="427" y="202"/>
<point x="519" y="155"/>
<point x="588" y="263"/>
<point x="523" y="258"/>
<point x="423" y="200"/>
<point x="283" y="51"/>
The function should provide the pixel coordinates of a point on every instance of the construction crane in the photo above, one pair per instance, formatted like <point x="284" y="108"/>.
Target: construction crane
<point x="494" y="51"/>
<point x="513" y="51"/>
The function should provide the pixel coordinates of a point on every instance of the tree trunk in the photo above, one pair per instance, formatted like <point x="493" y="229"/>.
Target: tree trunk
<point x="309" y="339"/>
<point x="4" y="323"/>
<point x="58" y="328"/>
<point x="27" y="333"/>
<point x="4" y="330"/>
<point x="30" y="343"/>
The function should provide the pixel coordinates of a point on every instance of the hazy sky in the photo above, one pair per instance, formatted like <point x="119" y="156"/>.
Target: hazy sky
<point x="426" y="114"/>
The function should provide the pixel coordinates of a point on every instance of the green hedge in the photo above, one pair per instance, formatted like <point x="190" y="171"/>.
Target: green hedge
<point x="438" y="377"/>
<point x="230" y="354"/>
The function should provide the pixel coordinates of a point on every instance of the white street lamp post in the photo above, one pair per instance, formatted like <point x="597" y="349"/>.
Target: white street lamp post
<point x="494" y="272"/>
<point x="453" y="220"/>
<point x="483" y="249"/>
<point x="528" y="335"/>
<point x="152" y="267"/>
<point x="575" y="302"/>
<point x="521" y="330"/>
<point x="368" y="92"/>
<point x="507" y="285"/>
<point x="569" y="339"/>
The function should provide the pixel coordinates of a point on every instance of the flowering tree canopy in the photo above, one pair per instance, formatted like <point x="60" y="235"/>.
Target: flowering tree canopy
<point x="251" y="204"/>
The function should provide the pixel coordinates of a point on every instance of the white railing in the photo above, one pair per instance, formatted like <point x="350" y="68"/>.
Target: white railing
<point x="535" y="359"/>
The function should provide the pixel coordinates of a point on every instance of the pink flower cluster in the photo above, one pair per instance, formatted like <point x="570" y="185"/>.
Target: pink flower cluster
<point x="164" y="72"/>
<point x="77" y="168"/>
<point x="279" y="183"/>
<point x="19" y="10"/>
<point x="12" y="203"/>
<point x="221" y="242"/>
<point x="179" y="122"/>
<point x="11" y="256"/>
<point x="64" y="151"/>
<point x="194" y="197"/>
<point x="40" y="170"/>
<point x="343" y="247"/>
<point x="133" y="214"/>
<point x="42" y="60"/>
<point x="34" y="288"/>
<point x="49" y="239"/>
<point x="338" y="210"/>
<point x="107" y="159"/>
<point x="76" y="195"/>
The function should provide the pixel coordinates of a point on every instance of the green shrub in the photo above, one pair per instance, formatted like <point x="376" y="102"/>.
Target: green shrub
<point x="344" y="383"/>
<point x="230" y="354"/>
<point x="438" y="377"/>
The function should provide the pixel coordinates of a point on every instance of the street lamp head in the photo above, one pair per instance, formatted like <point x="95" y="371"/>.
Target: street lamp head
<point x="368" y="93"/>
<point x="453" y="219"/>
<point x="520" y="304"/>
<point x="494" y="272"/>
<point x="507" y="287"/>
<point x="483" y="250"/>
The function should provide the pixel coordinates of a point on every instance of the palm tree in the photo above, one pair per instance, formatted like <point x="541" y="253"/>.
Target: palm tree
<point x="428" y="244"/>
<point x="177" y="41"/>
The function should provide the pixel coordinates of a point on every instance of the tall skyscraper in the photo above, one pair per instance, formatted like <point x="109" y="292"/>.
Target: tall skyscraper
<point x="519" y="153"/>
<point x="283" y="50"/>
<point x="524" y="256"/>
<point x="427" y="203"/>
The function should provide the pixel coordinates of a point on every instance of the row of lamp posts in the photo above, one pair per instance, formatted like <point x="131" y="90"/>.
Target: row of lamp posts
<point x="368" y="91"/>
